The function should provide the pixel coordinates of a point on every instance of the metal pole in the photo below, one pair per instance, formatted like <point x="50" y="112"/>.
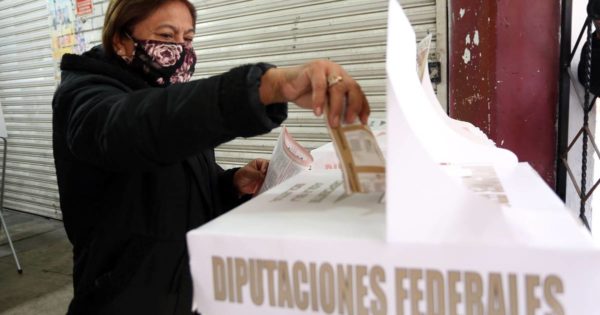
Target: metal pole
<point x="563" y="105"/>
<point x="10" y="243"/>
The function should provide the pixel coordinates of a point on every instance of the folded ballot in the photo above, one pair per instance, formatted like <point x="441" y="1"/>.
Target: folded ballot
<point x="361" y="160"/>
<point x="288" y="159"/>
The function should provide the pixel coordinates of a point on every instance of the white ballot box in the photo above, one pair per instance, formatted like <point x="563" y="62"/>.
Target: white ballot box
<point x="306" y="247"/>
<point x="463" y="228"/>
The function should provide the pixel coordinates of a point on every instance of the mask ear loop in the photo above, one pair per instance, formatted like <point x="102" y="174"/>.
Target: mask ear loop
<point x="129" y="59"/>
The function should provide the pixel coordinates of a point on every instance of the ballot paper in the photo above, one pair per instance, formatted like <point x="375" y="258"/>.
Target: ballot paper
<point x="361" y="159"/>
<point x="423" y="56"/>
<point x="288" y="159"/>
<point x="483" y="180"/>
<point x="326" y="158"/>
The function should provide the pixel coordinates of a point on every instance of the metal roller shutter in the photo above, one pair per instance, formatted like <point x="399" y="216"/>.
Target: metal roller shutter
<point x="27" y="83"/>
<point x="26" y="86"/>
<point x="229" y="33"/>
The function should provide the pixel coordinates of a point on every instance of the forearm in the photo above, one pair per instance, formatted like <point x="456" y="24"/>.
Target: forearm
<point x="161" y="126"/>
<point x="270" y="87"/>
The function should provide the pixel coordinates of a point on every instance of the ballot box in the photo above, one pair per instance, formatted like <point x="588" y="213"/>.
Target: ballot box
<point x="463" y="228"/>
<point x="306" y="247"/>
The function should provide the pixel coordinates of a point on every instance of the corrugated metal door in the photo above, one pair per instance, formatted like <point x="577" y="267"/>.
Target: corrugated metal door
<point x="351" y="33"/>
<point x="26" y="87"/>
<point x="229" y="33"/>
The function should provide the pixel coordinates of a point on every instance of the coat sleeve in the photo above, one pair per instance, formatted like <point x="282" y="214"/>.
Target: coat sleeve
<point x="116" y="129"/>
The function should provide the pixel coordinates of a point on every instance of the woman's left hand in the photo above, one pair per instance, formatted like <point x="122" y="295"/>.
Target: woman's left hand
<point x="250" y="178"/>
<point x="317" y="85"/>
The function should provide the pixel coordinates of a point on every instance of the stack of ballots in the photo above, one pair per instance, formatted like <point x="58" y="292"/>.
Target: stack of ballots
<point x="463" y="228"/>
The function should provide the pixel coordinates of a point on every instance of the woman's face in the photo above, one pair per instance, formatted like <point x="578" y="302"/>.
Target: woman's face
<point x="171" y="22"/>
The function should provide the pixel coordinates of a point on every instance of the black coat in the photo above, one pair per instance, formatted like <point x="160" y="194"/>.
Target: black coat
<point x="136" y="170"/>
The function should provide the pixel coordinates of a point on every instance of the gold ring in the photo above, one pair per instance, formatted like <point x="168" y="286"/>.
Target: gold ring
<point x="333" y="80"/>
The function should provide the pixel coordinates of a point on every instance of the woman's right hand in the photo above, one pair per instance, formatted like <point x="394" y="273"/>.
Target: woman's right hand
<point x="316" y="85"/>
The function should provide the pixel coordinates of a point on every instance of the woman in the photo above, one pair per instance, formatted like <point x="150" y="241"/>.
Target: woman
<point x="133" y="145"/>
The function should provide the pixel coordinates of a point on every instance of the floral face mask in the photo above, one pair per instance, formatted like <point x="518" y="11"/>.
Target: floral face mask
<point x="163" y="63"/>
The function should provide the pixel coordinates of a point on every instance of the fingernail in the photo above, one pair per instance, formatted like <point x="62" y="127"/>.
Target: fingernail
<point x="318" y="111"/>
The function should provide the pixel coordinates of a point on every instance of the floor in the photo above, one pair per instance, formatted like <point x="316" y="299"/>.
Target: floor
<point x="45" y="286"/>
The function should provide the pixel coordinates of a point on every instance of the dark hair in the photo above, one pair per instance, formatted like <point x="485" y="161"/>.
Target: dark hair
<point x="122" y="15"/>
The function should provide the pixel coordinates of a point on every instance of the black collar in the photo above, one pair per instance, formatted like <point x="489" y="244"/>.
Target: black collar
<point x="96" y="61"/>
